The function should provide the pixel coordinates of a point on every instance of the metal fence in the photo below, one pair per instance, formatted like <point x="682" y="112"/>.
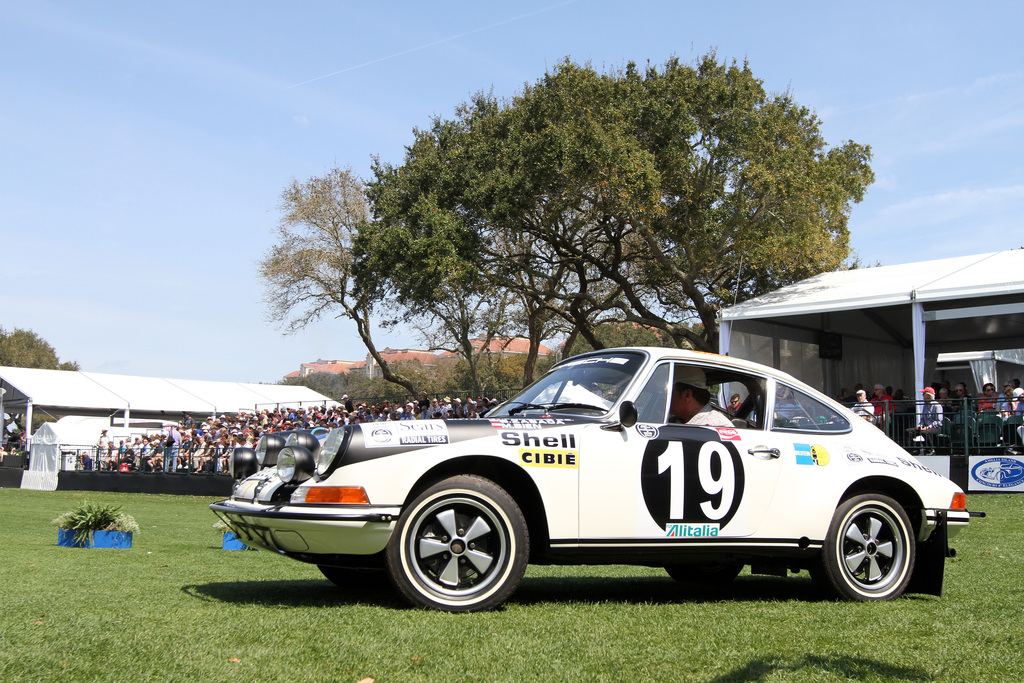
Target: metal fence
<point x="969" y="427"/>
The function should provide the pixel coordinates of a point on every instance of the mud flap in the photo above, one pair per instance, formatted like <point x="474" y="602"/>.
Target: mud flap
<point x="930" y="565"/>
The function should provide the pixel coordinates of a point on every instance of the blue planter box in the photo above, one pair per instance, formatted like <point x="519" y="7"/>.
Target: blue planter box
<point x="98" y="539"/>
<point x="231" y="542"/>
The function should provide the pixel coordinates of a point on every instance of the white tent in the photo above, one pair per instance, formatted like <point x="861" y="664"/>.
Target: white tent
<point x="105" y="395"/>
<point x="886" y="324"/>
<point x="44" y="460"/>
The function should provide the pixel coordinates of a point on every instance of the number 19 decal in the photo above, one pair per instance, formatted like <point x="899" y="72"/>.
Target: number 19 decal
<point x="691" y="481"/>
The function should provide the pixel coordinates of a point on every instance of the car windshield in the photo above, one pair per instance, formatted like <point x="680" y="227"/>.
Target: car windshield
<point x="589" y="385"/>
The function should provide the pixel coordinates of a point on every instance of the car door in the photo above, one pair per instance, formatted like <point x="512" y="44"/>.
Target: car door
<point x="658" y="482"/>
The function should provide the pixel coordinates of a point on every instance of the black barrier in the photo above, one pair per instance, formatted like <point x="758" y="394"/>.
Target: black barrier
<point x="10" y="478"/>
<point x="145" y="482"/>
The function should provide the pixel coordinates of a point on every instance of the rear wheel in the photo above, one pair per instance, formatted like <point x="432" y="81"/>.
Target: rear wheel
<point x="461" y="546"/>
<point x="869" y="550"/>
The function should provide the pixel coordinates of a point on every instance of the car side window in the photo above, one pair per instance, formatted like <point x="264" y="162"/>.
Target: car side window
<point x="798" y="411"/>
<point x="652" y="402"/>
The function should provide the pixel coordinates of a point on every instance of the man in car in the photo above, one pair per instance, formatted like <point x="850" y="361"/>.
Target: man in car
<point x="691" y="400"/>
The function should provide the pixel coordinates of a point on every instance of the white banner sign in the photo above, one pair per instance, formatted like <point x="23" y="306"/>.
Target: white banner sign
<point x="936" y="463"/>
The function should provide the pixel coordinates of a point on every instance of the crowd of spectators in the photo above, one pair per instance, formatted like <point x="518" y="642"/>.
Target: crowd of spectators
<point x="205" y="446"/>
<point x="917" y="422"/>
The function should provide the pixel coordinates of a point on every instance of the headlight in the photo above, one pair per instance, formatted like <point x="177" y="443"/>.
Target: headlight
<point x="295" y="464"/>
<point x="305" y="439"/>
<point x="268" y="448"/>
<point x="243" y="463"/>
<point x="329" y="450"/>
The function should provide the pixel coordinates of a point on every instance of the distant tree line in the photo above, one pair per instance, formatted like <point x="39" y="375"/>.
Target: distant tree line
<point x="25" y="349"/>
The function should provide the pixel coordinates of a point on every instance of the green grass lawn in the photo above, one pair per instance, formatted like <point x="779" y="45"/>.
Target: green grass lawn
<point x="176" y="607"/>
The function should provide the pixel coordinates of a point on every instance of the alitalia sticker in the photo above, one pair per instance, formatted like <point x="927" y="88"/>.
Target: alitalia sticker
<point x="691" y="530"/>
<point x="404" y="433"/>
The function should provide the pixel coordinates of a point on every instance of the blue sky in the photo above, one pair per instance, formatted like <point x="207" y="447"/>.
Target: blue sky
<point x="144" y="145"/>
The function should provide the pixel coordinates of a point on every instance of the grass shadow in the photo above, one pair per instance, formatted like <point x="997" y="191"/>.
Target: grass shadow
<point x="532" y="591"/>
<point x="658" y="590"/>
<point x="299" y="593"/>
<point x="844" y="668"/>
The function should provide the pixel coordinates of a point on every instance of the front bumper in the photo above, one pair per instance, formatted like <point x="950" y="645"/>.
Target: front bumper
<point x="310" y="530"/>
<point x="955" y="520"/>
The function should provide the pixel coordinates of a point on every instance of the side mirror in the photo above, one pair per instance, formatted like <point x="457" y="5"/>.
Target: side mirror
<point x="627" y="414"/>
<point x="627" y="417"/>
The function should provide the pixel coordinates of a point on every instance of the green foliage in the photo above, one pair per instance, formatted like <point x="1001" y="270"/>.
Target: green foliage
<point x="611" y="335"/>
<point x="87" y="518"/>
<point x="652" y="198"/>
<point x="26" y="349"/>
<point x="249" y="616"/>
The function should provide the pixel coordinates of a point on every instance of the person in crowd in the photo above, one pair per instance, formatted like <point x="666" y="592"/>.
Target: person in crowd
<point x="959" y="394"/>
<point x="929" y="423"/>
<point x="944" y="400"/>
<point x="86" y="460"/>
<point x="987" y="400"/>
<point x="171" y="447"/>
<point x="101" y="448"/>
<point x="863" y="407"/>
<point x="691" y="400"/>
<point x="734" y="404"/>
<point x="1006" y="404"/>
<point x="882" y="402"/>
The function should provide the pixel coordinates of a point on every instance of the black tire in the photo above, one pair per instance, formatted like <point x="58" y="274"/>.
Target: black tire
<point x="869" y="551"/>
<point x="460" y="546"/>
<point x="710" y="574"/>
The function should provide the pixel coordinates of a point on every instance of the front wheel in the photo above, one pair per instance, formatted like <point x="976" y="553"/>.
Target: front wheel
<point x="461" y="546"/>
<point x="869" y="550"/>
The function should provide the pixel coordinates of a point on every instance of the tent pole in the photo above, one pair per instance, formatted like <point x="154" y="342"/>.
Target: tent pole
<point x="917" y="313"/>
<point x="724" y="332"/>
<point x="28" y="423"/>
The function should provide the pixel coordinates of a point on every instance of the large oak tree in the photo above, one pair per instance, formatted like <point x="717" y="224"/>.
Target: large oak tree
<point x="653" y="198"/>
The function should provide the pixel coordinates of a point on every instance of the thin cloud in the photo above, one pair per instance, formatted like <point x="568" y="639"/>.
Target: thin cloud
<point x="434" y="43"/>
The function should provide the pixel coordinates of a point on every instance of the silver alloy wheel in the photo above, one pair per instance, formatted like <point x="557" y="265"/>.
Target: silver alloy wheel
<point x="869" y="552"/>
<point x="872" y="548"/>
<point x="462" y="545"/>
<point x="457" y="545"/>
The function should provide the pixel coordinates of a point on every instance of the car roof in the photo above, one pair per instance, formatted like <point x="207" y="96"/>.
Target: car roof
<point x="658" y="353"/>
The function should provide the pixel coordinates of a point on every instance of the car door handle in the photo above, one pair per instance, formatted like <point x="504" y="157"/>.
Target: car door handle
<point x="765" y="453"/>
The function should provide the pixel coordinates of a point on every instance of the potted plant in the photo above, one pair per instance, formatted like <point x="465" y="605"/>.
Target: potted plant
<point x="230" y="541"/>
<point x="95" y="526"/>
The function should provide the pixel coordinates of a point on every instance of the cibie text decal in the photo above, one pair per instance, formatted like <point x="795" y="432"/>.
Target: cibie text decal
<point x="540" y="458"/>
<point x="544" y="450"/>
<point x="691" y="530"/>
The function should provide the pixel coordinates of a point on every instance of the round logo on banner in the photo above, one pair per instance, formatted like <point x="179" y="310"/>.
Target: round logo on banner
<point x="999" y="473"/>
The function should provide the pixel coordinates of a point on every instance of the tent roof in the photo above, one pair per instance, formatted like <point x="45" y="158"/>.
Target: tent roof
<point x="995" y="274"/>
<point x="93" y="393"/>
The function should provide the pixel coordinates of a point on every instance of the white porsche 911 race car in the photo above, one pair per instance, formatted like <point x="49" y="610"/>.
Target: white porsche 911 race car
<point x="591" y="465"/>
